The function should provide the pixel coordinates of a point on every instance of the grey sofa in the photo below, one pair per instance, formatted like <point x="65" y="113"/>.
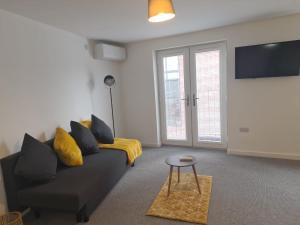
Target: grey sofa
<point x="78" y="190"/>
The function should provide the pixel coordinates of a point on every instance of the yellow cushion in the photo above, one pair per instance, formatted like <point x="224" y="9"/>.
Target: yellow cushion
<point x="86" y="123"/>
<point x="67" y="149"/>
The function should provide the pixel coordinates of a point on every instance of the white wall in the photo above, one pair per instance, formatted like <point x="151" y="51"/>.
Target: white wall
<point x="47" y="78"/>
<point x="100" y="92"/>
<point x="270" y="108"/>
<point x="97" y="70"/>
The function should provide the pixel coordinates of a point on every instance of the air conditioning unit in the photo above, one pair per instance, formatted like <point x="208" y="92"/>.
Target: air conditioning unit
<point x="109" y="52"/>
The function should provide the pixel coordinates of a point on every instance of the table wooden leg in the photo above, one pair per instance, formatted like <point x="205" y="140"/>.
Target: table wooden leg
<point x="178" y="174"/>
<point x="170" y="179"/>
<point x="196" y="179"/>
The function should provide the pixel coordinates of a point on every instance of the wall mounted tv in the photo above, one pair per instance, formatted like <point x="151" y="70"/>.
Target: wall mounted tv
<point x="268" y="60"/>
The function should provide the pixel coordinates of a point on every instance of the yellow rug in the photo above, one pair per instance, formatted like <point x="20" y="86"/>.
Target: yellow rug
<point x="184" y="203"/>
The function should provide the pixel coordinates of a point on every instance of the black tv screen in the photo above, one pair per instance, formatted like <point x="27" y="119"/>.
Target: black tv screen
<point x="268" y="60"/>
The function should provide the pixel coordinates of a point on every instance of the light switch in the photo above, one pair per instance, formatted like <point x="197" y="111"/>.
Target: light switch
<point x="244" y="129"/>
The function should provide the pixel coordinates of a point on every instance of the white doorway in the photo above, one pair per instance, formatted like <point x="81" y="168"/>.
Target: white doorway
<point x="192" y="90"/>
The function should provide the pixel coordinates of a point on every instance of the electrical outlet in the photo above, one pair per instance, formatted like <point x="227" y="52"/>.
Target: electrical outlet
<point x="244" y="130"/>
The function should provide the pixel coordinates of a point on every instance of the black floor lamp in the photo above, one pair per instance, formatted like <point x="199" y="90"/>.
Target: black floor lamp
<point x="110" y="81"/>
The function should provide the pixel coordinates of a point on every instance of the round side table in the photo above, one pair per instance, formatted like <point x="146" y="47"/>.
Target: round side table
<point x="174" y="161"/>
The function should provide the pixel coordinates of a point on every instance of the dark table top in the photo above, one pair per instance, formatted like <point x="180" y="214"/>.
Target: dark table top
<point x="175" y="161"/>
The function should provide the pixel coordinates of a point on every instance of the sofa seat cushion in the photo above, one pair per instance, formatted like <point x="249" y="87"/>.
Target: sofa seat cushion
<point x="74" y="187"/>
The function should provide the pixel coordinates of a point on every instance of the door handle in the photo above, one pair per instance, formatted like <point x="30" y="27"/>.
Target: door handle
<point x="194" y="99"/>
<point x="187" y="99"/>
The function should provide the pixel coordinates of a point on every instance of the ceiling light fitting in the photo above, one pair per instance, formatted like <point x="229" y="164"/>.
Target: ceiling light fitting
<point x="160" y="10"/>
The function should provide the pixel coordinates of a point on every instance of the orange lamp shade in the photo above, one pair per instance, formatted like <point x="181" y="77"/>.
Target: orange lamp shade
<point x="160" y="10"/>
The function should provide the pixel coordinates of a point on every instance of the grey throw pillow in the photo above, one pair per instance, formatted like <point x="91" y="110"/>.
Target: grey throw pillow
<point x="84" y="138"/>
<point x="101" y="131"/>
<point x="37" y="161"/>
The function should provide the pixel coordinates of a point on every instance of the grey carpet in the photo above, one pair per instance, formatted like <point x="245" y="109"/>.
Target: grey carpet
<point x="246" y="191"/>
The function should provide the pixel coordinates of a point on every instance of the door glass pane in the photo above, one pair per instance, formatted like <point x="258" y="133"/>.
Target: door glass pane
<point x="208" y="94"/>
<point x="174" y="93"/>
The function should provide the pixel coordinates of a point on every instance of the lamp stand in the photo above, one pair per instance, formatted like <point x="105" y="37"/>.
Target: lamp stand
<point x="112" y="111"/>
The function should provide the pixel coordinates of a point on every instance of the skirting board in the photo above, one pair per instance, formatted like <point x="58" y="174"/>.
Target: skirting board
<point x="263" y="154"/>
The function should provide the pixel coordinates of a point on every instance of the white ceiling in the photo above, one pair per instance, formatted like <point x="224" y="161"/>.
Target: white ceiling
<point x="126" y="20"/>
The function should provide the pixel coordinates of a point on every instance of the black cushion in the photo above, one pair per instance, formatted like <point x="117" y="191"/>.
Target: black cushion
<point x="74" y="187"/>
<point x="101" y="131"/>
<point x="37" y="161"/>
<point x="84" y="138"/>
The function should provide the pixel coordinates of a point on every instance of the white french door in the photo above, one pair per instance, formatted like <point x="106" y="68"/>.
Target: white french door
<point x="192" y="83"/>
<point x="174" y="75"/>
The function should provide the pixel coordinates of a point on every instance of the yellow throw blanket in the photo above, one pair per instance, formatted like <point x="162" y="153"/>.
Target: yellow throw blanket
<point x="132" y="147"/>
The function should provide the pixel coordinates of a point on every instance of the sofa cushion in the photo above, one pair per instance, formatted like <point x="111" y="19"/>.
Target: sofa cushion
<point x="75" y="186"/>
<point x="67" y="149"/>
<point x="37" y="161"/>
<point x="101" y="131"/>
<point x="86" y="123"/>
<point x="84" y="138"/>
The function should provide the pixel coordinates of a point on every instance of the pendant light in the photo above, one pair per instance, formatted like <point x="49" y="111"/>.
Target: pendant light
<point x="160" y="10"/>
